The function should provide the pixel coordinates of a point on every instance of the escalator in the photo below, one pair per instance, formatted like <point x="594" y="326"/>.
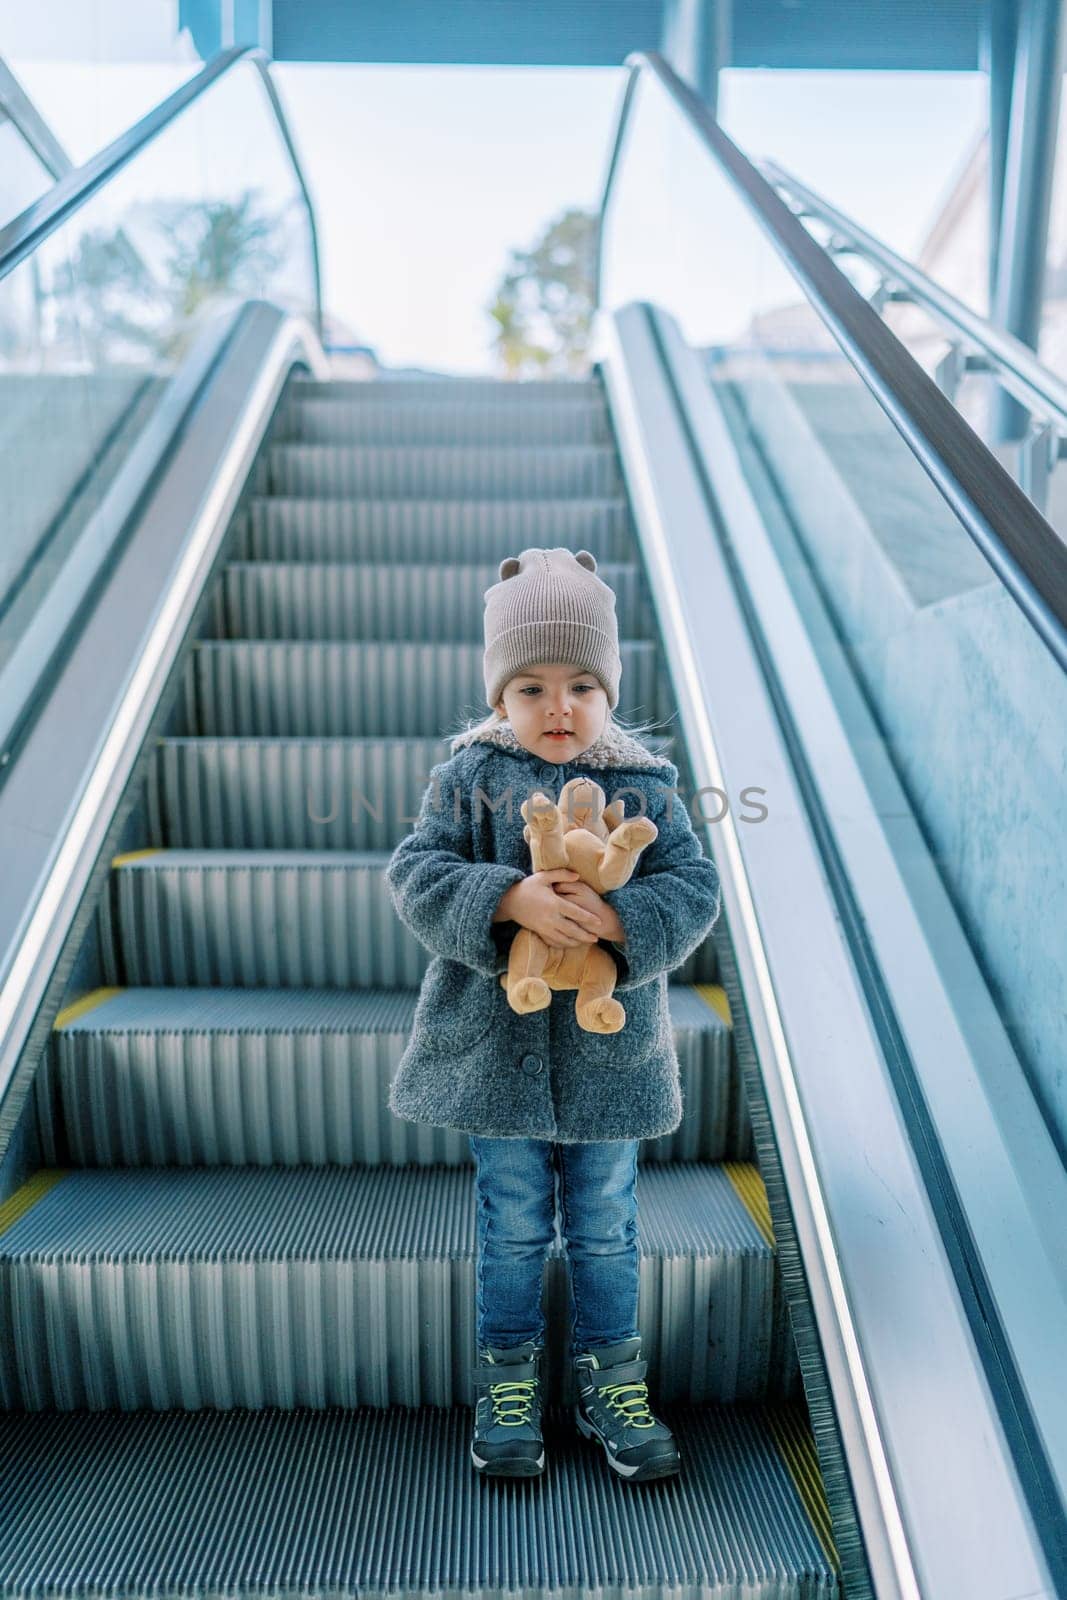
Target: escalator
<point x="238" y="1278"/>
<point x="236" y="1293"/>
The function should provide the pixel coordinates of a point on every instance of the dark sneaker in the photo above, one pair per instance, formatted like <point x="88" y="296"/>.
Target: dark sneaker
<point x="613" y="1407"/>
<point x="507" y="1414"/>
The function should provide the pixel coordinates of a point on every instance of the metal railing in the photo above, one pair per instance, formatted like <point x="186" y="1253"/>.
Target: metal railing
<point x="975" y="345"/>
<point x="1024" y="550"/>
<point x="21" y="237"/>
<point x="31" y="655"/>
<point x="689" y="485"/>
<point x="17" y="105"/>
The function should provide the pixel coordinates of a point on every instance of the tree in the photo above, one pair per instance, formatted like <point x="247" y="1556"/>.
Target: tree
<point x="141" y="287"/>
<point x="543" y="306"/>
<point x="221" y="247"/>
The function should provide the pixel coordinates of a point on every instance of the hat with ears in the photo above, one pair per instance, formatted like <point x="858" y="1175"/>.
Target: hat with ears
<point x="549" y="607"/>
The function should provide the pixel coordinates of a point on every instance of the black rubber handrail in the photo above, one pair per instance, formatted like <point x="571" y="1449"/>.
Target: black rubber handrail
<point x="20" y="237"/>
<point x="1023" y="549"/>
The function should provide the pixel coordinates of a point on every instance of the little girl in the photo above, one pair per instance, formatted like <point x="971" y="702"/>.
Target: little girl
<point x="539" y="1095"/>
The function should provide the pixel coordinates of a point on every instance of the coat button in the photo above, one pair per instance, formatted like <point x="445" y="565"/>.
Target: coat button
<point x="548" y="774"/>
<point x="532" y="1065"/>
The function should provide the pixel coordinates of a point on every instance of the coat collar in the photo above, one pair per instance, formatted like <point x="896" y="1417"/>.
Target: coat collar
<point x="612" y="748"/>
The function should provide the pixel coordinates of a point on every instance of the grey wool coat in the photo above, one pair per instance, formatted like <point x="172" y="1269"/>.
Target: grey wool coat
<point x="472" y="1062"/>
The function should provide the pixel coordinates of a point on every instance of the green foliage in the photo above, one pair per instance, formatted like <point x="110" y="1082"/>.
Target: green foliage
<point x="143" y="286"/>
<point x="219" y="248"/>
<point x="543" y="306"/>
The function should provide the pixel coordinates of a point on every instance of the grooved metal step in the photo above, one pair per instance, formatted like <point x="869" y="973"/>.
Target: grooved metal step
<point x="436" y="602"/>
<point x="247" y="793"/>
<point x="318" y="1286"/>
<point x="457" y="471"/>
<point x="450" y="391"/>
<point x="290" y="529"/>
<point x="330" y="1504"/>
<point x="466" y="422"/>
<point x="177" y="1077"/>
<point x="317" y="688"/>
<point x="262" y="918"/>
<point x="257" y="918"/>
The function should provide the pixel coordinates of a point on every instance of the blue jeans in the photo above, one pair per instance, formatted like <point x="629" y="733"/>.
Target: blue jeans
<point x="515" y="1182"/>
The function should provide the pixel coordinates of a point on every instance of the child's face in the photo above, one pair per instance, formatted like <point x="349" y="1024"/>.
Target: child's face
<point x="555" y="696"/>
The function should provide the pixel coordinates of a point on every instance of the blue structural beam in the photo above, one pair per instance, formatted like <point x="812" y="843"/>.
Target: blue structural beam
<point x="1030" y="159"/>
<point x="480" y="32"/>
<point x="883" y="35"/>
<point x="936" y="35"/>
<point x="216" y="25"/>
<point x="696" y="42"/>
<point x="1000" y="39"/>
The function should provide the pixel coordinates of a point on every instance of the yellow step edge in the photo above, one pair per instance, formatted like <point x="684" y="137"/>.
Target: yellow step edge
<point x="792" y="1434"/>
<point x="28" y="1194"/>
<point x="88" y="1002"/>
<point x="136" y="855"/>
<point x="745" y="1177"/>
<point x="714" y="995"/>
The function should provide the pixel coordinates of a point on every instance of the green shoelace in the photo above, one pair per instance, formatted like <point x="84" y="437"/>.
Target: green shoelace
<point x="512" y="1401"/>
<point x="634" y="1409"/>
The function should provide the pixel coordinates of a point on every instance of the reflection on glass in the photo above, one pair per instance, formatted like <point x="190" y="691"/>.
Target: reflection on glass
<point x="23" y="178"/>
<point x="94" y="324"/>
<point x="970" y="704"/>
<point x="138" y="290"/>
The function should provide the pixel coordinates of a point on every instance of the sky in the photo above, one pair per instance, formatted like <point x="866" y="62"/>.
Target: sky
<point x="425" y="178"/>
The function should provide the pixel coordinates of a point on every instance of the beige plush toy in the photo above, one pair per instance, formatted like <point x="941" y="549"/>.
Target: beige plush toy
<point x="596" y="841"/>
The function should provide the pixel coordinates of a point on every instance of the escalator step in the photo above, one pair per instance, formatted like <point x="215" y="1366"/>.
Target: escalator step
<point x="248" y="793"/>
<point x="287" y="529"/>
<point x="468" y="422"/>
<point x="173" y="1077"/>
<point x="288" y="794"/>
<point x="450" y="391"/>
<point x="395" y="600"/>
<point x="257" y="918"/>
<point x="274" y="919"/>
<point x="330" y="1285"/>
<point x="333" y="1503"/>
<point x="457" y="472"/>
<point x="315" y="688"/>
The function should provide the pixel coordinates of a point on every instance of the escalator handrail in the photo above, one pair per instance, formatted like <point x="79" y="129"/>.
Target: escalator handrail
<point x="83" y="752"/>
<point x="31" y="125"/>
<point x="21" y="237"/>
<point x="1038" y="388"/>
<point x="1024" y="550"/>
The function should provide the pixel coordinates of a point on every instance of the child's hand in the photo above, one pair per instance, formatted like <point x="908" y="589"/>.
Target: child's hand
<point x="583" y="894"/>
<point x="534" y="903"/>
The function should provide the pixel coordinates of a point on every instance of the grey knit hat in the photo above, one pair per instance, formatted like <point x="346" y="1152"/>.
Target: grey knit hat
<point x="550" y="607"/>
